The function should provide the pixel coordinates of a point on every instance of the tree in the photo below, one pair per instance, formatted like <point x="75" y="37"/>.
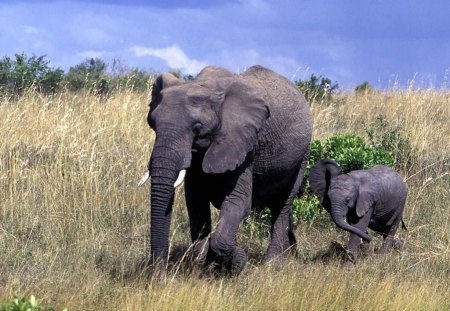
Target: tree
<point x="90" y="74"/>
<point x="317" y="88"/>
<point x="363" y="88"/>
<point x="22" y="73"/>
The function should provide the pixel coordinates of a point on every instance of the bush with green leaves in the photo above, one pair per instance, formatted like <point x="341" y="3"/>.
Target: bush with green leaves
<point x="363" y="88"/>
<point x="21" y="73"/>
<point x="24" y="304"/>
<point x="317" y="88"/>
<point x="90" y="75"/>
<point x="351" y="152"/>
<point x="133" y="80"/>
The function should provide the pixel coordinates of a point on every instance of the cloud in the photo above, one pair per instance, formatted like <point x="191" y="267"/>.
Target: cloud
<point x="174" y="56"/>
<point x="240" y="60"/>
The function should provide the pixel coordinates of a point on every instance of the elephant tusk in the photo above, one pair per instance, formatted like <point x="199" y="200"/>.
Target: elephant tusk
<point x="180" y="178"/>
<point x="144" y="178"/>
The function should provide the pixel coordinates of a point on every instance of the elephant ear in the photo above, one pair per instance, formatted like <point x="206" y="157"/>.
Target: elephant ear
<point x="366" y="200"/>
<point x="243" y="113"/>
<point x="320" y="177"/>
<point x="162" y="82"/>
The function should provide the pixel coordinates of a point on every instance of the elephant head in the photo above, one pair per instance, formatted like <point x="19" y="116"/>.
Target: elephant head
<point x="339" y="194"/>
<point x="215" y="118"/>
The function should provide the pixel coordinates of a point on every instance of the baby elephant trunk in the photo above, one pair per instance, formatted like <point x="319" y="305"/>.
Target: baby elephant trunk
<point x="337" y="217"/>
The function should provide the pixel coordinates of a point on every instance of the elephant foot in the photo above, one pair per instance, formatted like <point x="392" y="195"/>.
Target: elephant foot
<point x="200" y="261"/>
<point x="201" y="251"/>
<point x="367" y="248"/>
<point x="399" y="244"/>
<point x="350" y="258"/>
<point x="278" y="254"/>
<point x="238" y="262"/>
<point x="348" y="265"/>
<point x="230" y="261"/>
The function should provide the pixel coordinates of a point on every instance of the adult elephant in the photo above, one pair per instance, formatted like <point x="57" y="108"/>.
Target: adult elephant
<point x="241" y="141"/>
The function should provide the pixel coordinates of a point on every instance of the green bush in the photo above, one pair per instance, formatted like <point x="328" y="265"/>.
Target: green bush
<point x="134" y="79"/>
<point x="363" y="88"/>
<point x="317" y="88"/>
<point x="22" y="73"/>
<point x="90" y="75"/>
<point x="306" y="208"/>
<point x="24" y="304"/>
<point x="351" y="152"/>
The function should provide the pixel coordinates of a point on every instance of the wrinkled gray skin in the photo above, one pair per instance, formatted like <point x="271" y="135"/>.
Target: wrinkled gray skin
<point x="372" y="198"/>
<point x="244" y="140"/>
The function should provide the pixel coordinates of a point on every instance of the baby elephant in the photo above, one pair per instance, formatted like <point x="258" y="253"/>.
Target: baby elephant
<point x="373" y="198"/>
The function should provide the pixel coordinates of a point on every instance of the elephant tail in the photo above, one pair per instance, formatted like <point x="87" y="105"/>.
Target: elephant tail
<point x="404" y="226"/>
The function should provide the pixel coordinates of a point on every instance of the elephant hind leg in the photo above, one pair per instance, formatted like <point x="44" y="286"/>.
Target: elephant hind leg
<point x="389" y="240"/>
<point x="223" y="249"/>
<point x="282" y="235"/>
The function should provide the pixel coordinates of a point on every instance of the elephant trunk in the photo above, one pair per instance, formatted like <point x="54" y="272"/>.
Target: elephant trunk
<point x="337" y="217"/>
<point x="167" y="160"/>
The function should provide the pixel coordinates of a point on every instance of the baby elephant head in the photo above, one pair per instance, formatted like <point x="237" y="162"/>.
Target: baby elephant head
<point x="339" y="194"/>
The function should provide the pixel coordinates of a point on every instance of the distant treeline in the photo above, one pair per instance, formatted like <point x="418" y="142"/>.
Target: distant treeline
<point x="23" y="73"/>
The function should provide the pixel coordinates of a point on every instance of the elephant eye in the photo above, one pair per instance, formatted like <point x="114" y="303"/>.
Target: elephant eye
<point x="347" y="199"/>
<point x="197" y="127"/>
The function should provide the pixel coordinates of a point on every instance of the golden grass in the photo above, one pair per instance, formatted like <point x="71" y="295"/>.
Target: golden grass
<point x="74" y="226"/>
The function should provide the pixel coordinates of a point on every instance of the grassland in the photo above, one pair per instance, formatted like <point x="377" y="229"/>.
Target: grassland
<point x="74" y="226"/>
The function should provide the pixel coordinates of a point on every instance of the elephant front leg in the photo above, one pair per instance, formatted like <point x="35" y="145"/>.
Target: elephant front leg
<point x="223" y="249"/>
<point x="199" y="213"/>
<point x="354" y="241"/>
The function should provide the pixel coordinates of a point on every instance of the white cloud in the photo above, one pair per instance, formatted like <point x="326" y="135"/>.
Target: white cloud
<point x="30" y="30"/>
<point x="174" y="56"/>
<point x="240" y="60"/>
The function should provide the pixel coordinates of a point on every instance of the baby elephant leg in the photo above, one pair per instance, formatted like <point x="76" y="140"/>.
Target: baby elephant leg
<point x="367" y="248"/>
<point x="389" y="240"/>
<point x="354" y="241"/>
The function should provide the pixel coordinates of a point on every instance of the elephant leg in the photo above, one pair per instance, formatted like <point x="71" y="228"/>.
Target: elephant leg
<point x="282" y="235"/>
<point x="367" y="248"/>
<point x="234" y="208"/>
<point x="199" y="213"/>
<point x="354" y="241"/>
<point x="388" y="240"/>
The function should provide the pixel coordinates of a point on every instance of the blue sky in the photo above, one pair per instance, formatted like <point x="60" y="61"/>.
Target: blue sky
<point x="385" y="42"/>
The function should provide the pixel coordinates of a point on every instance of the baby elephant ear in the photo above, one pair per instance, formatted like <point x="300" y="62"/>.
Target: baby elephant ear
<point x="365" y="201"/>
<point x="162" y="82"/>
<point x="242" y="115"/>
<point x="320" y="176"/>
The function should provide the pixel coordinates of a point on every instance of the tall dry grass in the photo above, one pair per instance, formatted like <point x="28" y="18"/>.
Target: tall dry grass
<point x="74" y="226"/>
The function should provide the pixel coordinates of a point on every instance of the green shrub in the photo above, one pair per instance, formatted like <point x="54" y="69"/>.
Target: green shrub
<point x="351" y="152"/>
<point x="22" y="73"/>
<point x="90" y="75"/>
<point x="24" y="304"/>
<point x="363" y="88"/>
<point x="306" y="208"/>
<point x="134" y="79"/>
<point x="317" y="88"/>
